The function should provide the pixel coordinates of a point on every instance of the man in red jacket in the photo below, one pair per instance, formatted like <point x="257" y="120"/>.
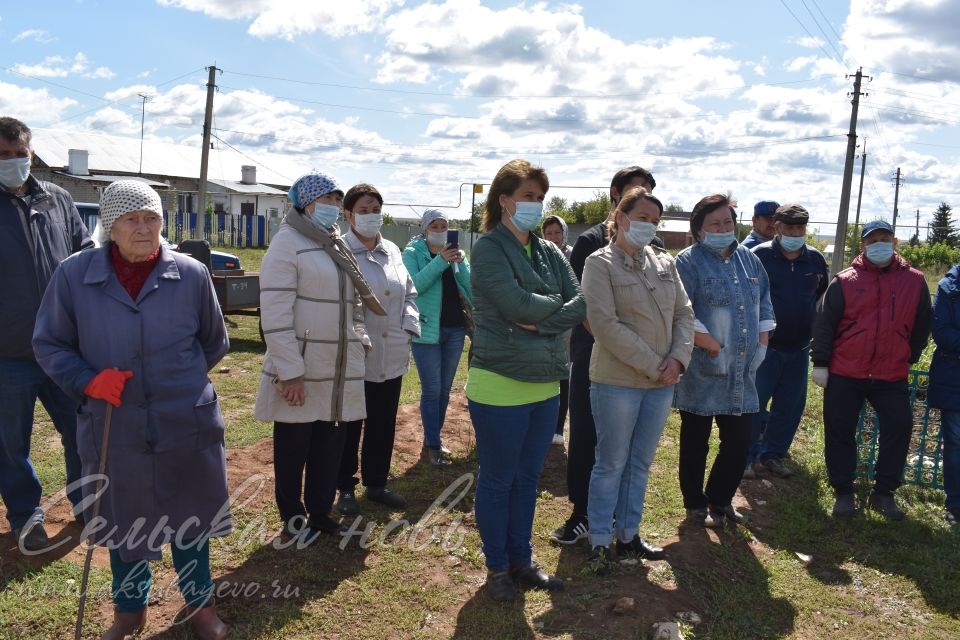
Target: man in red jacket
<point x="873" y="324"/>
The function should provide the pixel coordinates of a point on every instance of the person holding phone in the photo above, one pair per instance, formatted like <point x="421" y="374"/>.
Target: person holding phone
<point x="441" y="276"/>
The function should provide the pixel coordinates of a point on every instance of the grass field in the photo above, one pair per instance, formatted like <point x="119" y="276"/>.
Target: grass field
<point x="792" y="572"/>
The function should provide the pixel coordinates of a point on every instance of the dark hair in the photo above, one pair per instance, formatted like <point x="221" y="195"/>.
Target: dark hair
<point x="507" y="181"/>
<point x="12" y="130"/>
<point x="708" y="205"/>
<point x="627" y="203"/>
<point x="625" y="176"/>
<point x="549" y="220"/>
<point x="358" y="191"/>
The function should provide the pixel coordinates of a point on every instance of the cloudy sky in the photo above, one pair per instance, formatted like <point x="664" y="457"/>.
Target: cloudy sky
<point x="747" y="96"/>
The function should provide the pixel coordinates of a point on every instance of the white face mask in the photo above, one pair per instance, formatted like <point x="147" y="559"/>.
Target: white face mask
<point x="14" y="172"/>
<point x="437" y="239"/>
<point x="367" y="224"/>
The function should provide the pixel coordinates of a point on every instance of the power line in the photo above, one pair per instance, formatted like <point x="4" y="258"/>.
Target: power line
<point x="826" y="38"/>
<point x="813" y="37"/>
<point x="825" y="19"/>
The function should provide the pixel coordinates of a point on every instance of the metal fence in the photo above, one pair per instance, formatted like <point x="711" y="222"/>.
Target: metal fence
<point x="220" y="230"/>
<point x="924" y="466"/>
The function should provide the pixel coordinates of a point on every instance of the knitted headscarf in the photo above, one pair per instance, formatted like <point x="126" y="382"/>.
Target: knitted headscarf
<point x="120" y="197"/>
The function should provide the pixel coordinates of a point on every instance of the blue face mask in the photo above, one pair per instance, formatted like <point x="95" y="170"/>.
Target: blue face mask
<point x="791" y="244"/>
<point x="879" y="253"/>
<point x="325" y="215"/>
<point x="640" y="233"/>
<point x="14" y="172"/>
<point x="528" y="215"/>
<point x="719" y="241"/>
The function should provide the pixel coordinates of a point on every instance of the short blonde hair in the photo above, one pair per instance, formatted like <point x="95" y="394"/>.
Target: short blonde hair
<point x="630" y="200"/>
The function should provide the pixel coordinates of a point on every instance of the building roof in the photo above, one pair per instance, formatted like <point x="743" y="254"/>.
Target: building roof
<point x="252" y="189"/>
<point x="122" y="155"/>
<point x="103" y="177"/>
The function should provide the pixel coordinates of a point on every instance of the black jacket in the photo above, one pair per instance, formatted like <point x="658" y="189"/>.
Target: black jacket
<point x="28" y="262"/>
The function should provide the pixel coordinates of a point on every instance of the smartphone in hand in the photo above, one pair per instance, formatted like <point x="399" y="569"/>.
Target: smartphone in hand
<point x="453" y="238"/>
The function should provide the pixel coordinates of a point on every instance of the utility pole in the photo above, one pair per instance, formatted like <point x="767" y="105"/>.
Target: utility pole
<point x="143" y="112"/>
<point x="841" y="237"/>
<point x="917" y="232"/>
<point x="205" y="152"/>
<point x="863" y="167"/>
<point x="896" y="200"/>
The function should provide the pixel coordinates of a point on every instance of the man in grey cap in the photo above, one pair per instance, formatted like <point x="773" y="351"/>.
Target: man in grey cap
<point x="798" y="277"/>
<point x="872" y="325"/>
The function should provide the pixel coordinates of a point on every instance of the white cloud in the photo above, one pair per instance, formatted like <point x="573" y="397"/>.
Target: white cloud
<point x="33" y="106"/>
<point x="290" y="19"/>
<point x="60" y="67"/>
<point x="809" y="42"/>
<point x="37" y="35"/>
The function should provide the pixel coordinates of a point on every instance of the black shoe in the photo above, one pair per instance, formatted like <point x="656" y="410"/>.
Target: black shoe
<point x="700" y="516"/>
<point x="573" y="530"/>
<point x="438" y="458"/>
<point x="885" y="506"/>
<point x="777" y="467"/>
<point x="327" y="525"/>
<point x="600" y="560"/>
<point x="640" y="548"/>
<point x="347" y="504"/>
<point x="500" y="586"/>
<point x="533" y="576"/>
<point x="844" y="506"/>
<point x="726" y="514"/>
<point x="32" y="537"/>
<point x="386" y="497"/>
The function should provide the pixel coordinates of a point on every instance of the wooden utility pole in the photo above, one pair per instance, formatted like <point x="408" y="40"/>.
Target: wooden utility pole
<point x="917" y="232"/>
<point x="205" y="152"/>
<point x="143" y="112"/>
<point x="841" y="238"/>
<point x="896" y="201"/>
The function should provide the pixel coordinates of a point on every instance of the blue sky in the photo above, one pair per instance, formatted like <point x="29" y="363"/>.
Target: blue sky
<point x="418" y="97"/>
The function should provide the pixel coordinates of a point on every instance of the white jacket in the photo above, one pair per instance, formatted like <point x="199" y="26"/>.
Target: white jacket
<point x="391" y="334"/>
<point x="301" y="290"/>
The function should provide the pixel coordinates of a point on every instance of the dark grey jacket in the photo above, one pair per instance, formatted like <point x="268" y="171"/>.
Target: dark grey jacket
<point x="28" y="262"/>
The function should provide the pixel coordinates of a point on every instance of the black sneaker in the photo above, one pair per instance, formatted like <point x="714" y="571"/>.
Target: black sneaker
<point x="574" y="529"/>
<point x="640" y="548"/>
<point x="500" y="586"/>
<point x="700" y="516"/>
<point x="777" y="467"/>
<point x="844" y="506"/>
<point x="438" y="458"/>
<point x="32" y="537"/>
<point x="386" y="497"/>
<point x="885" y="506"/>
<point x="347" y="504"/>
<point x="533" y="576"/>
<point x="726" y="514"/>
<point x="327" y="525"/>
<point x="600" y="560"/>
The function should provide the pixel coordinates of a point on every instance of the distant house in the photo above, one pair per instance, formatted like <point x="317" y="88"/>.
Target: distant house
<point x="84" y="163"/>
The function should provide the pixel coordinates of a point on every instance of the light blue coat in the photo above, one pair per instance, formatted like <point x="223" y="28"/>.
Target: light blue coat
<point x="731" y="298"/>
<point x="427" y="273"/>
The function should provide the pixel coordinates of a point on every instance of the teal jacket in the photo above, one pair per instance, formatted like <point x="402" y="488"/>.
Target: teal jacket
<point x="511" y="288"/>
<point x="427" y="273"/>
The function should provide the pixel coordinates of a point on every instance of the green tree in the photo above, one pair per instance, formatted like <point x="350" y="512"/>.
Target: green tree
<point x="388" y="220"/>
<point x="556" y="206"/>
<point x="673" y="207"/>
<point x="942" y="229"/>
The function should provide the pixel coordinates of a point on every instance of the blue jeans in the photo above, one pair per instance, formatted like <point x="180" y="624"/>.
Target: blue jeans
<point x="21" y="383"/>
<point x="629" y="423"/>
<point x="783" y="378"/>
<point x="437" y="366"/>
<point x="512" y="444"/>
<point x="132" y="580"/>
<point x="950" y="426"/>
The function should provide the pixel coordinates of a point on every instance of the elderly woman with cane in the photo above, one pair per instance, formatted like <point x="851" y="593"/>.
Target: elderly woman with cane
<point x="131" y="329"/>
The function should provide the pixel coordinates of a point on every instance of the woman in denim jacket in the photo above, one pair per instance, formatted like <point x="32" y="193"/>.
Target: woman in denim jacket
<point x="730" y="293"/>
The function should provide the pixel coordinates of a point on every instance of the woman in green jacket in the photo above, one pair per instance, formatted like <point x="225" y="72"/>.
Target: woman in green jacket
<point x="441" y="275"/>
<point x="526" y="296"/>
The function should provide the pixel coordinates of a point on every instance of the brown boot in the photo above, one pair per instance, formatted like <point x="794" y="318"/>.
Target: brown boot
<point x="125" y="625"/>
<point x="206" y="624"/>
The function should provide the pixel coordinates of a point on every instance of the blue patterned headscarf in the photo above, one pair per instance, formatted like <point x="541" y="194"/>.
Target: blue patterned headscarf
<point x="311" y="186"/>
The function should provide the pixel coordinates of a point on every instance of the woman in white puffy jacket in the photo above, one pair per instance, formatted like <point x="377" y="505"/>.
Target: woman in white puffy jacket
<point x="312" y="303"/>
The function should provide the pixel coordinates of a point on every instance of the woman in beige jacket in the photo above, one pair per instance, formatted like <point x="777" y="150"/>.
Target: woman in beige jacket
<point x="312" y="299"/>
<point x="642" y="321"/>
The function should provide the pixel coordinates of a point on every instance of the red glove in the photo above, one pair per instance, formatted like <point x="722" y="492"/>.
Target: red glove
<point x="108" y="385"/>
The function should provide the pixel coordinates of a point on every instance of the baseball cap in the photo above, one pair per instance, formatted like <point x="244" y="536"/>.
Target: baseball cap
<point x="875" y="225"/>
<point x="765" y="208"/>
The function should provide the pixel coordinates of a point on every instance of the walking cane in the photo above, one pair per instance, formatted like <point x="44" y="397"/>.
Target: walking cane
<point x="78" y="630"/>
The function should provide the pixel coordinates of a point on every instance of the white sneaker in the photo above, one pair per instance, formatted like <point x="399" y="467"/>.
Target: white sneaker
<point x="558" y="439"/>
